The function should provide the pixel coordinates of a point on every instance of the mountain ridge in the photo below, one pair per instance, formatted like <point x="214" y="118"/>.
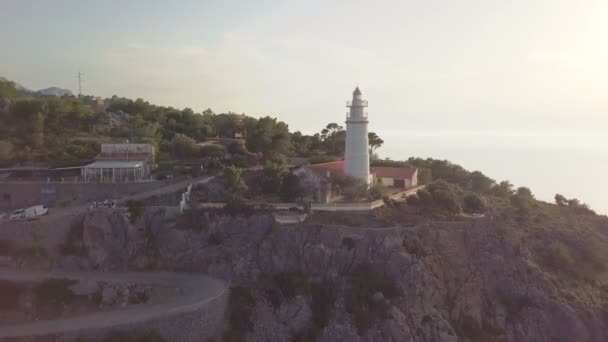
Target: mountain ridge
<point x="49" y="91"/>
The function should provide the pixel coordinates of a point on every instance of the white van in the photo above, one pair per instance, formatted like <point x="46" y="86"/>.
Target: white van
<point x="37" y="210"/>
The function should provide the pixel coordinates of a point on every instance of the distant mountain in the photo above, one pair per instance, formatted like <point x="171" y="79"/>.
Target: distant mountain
<point x="55" y="91"/>
<point x="50" y="91"/>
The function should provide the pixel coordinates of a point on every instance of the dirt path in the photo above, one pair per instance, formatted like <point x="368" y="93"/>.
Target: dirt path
<point x="197" y="291"/>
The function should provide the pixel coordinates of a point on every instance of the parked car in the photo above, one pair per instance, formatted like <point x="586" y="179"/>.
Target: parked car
<point x="29" y="213"/>
<point x="2" y="215"/>
<point x="17" y="214"/>
<point x="37" y="210"/>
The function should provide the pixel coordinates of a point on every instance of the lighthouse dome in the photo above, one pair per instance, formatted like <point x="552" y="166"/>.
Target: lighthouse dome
<point x="357" y="91"/>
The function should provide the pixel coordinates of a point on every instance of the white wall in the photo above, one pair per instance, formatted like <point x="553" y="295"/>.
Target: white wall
<point x="387" y="181"/>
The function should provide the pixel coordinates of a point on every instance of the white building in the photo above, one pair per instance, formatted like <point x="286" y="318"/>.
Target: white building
<point x="119" y="163"/>
<point x="356" y="158"/>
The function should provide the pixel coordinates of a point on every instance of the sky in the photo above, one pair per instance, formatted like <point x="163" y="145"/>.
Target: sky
<point x="527" y="73"/>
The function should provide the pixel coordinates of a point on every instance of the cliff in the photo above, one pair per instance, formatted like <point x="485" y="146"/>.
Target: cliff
<point x="490" y="279"/>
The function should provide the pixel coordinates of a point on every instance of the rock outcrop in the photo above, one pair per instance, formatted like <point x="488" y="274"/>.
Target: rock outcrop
<point x="465" y="281"/>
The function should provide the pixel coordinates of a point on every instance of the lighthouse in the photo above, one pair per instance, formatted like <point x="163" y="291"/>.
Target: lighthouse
<point x="356" y="161"/>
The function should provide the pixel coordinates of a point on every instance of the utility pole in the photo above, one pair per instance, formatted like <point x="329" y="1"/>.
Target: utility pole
<point x="80" y="77"/>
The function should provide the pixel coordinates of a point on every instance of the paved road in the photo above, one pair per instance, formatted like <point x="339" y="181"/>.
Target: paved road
<point x="59" y="213"/>
<point x="197" y="291"/>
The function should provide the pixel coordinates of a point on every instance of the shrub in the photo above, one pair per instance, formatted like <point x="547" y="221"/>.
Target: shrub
<point x="515" y="303"/>
<point x="424" y="196"/>
<point x="135" y="209"/>
<point x="363" y="283"/>
<point x="377" y="190"/>
<point x="446" y="200"/>
<point x="215" y="239"/>
<point x="290" y="284"/>
<point x="557" y="256"/>
<point x="54" y="292"/>
<point x="348" y="242"/>
<point x="74" y="244"/>
<point x="290" y="188"/>
<point x="323" y="297"/>
<point x="473" y="203"/>
<point x="413" y="200"/>
<point x="240" y="308"/>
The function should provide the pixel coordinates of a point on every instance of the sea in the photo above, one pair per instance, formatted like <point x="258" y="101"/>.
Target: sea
<point x="572" y="164"/>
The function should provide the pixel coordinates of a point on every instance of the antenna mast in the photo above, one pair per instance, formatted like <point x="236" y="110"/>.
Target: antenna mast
<point x="80" y="77"/>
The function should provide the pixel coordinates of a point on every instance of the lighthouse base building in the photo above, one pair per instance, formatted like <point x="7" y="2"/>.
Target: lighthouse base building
<point x="356" y="163"/>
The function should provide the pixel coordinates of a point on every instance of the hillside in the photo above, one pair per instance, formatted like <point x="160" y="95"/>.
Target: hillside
<point x="478" y="280"/>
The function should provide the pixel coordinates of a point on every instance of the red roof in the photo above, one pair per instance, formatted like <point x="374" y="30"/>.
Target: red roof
<point x="393" y="172"/>
<point x="323" y="168"/>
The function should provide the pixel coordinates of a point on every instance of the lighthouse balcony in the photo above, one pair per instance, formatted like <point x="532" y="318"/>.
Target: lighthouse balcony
<point x="362" y="117"/>
<point x="356" y="103"/>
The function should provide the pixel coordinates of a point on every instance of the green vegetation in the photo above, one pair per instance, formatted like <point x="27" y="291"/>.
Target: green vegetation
<point x="135" y="208"/>
<point x="557" y="257"/>
<point x="575" y="204"/>
<point x="74" y="244"/>
<point x="67" y="131"/>
<point x="240" y="308"/>
<point x="235" y="182"/>
<point x="362" y="300"/>
<point x="215" y="239"/>
<point x="54" y="293"/>
<point x="290" y="189"/>
<point x="350" y="187"/>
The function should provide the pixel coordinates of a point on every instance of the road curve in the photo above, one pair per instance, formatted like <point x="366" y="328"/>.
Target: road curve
<point x="197" y="291"/>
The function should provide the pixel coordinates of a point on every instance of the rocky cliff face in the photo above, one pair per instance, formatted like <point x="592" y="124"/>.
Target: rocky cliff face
<point x="470" y="281"/>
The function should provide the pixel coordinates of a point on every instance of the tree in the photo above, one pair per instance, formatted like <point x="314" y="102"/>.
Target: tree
<point x="8" y="90"/>
<point x="560" y="200"/>
<point x="480" y="183"/>
<point x="425" y="176"/>
<point x="522" y="201"/>
<point x="424" y="196"/>
<point x="183" y="146"/>
<point x="6" y="152"/>
<point x="502" y="189"/>
<point x="290" y="188"/>
<point x="37" y="132"/>
<point x="374" y="142"/>
<point x="273" y="174"/>
<point x="473" y="203"/>
<point x="447" y="200"/>
<point x="213" y="151"/>
<point x="235" y="181"/>
<point x="269" y="135"/>
<point x="377" y="190"/>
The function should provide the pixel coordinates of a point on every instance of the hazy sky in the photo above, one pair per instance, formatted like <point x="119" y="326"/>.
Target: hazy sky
<point x="522" y="74"/>
<point x="475" y="65"/>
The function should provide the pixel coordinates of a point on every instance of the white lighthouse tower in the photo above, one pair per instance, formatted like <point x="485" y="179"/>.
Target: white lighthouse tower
<point x="356" y="163"/>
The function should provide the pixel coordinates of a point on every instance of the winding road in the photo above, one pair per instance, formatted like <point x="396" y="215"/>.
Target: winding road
<point x="196" y="292"/>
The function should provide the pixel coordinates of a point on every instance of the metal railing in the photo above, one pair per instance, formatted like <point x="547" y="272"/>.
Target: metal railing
<point x="364" y="117"/>
<point x="358" y="103"/>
